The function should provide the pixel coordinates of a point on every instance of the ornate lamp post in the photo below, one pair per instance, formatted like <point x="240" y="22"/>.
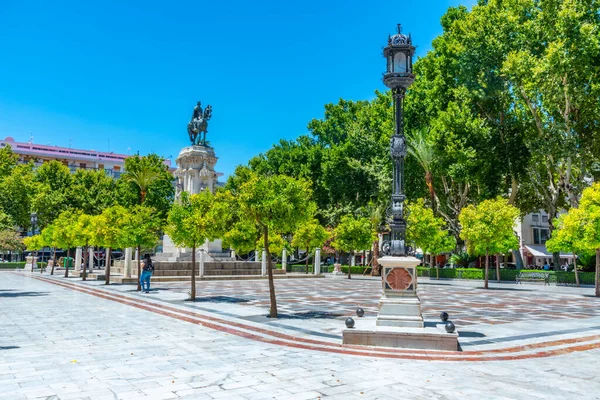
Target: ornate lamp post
<point x="399" y="321"/>
<point x="398" y="77"/>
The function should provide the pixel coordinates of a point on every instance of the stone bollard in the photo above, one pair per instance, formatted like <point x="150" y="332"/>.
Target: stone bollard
<point x="91" y="260"/>
<point x="256" y="255"/>
<point x="317" y="269"/>
<point x="201" y="268"/>
<point x="127" y="261"/>
<point x="284" y="260"/>
<point x="233" y="254"/>
<point x="78" y="255"/>
<point x="263" y="266"/>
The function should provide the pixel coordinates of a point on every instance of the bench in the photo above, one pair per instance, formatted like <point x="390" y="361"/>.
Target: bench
<point x="533" y="277"/>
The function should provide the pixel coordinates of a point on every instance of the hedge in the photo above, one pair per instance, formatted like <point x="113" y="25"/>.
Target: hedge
<point x="14" y="265"/>
<point x="507" y="275"/>
<point x="355" y="270"/>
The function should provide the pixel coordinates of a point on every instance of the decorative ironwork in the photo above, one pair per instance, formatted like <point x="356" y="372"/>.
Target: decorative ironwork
<point x="398" y="45"/>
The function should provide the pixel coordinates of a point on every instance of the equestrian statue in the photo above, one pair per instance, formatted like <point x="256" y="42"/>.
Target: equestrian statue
<point x="199" y="125"/>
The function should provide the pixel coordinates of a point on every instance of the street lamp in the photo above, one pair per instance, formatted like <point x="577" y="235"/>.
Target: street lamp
<point x="398" y="77"/>
<point x="34" y="220"/>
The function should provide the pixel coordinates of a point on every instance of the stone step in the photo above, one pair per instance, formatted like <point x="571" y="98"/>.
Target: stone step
<point x="158" y="279"/>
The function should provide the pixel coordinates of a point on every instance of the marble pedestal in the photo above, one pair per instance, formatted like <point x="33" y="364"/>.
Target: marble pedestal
<point x="30" y="263"/>
<point x="399" y="322"/>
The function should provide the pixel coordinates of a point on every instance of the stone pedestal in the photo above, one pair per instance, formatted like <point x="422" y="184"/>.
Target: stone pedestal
<point x="30" y="263"/>
<point x="399" y="322"/>
<point x="128" y="262"/>
<point x="337" y="269"/>
<point x="196" y="170"/>
<point x="91" y="260"/>
<point x="399" y="304"/>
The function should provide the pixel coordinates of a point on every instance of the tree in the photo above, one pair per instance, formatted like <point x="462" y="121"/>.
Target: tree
<point x="276" y="204"/>
<point x="50" y="237"/>
<point x="8" y="161"/>
<point x="147" y="181"/>
<point x="93" y="191"/>
<point x="187" y="226"/>
<point x="140" y="229"/>
<point x="353" y="234"/>
<point x="426" y="231"/>
<point x="10" y="240"/>
<point x="309" y="235"/>
<point x="580" y="228"/>
<point x="34" y="243"/>
<point x="568" y="236"/>
<point x="108" y="232"/>
<point x="242" y="237"/>
<point x="16" y="193"/>
<point x="64" y="233"/>
<point x="488" y="228"/>
<point x="83" y="231"/>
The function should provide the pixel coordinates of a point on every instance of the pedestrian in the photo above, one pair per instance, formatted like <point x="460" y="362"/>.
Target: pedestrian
<point x="147" y="271"/>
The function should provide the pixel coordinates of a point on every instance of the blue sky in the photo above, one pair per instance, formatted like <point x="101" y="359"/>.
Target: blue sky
<point x="125" y="76"/>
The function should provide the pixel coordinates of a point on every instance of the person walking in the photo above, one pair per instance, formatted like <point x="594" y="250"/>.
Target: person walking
<point x="147" y="271"/>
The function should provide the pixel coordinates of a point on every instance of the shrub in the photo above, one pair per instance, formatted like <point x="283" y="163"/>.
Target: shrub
<point x="355" y="269"/>
<point x="10" y="265"/>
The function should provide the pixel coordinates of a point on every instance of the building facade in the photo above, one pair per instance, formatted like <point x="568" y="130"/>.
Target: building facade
<point x="112" y="164"/>
<point x="533" y="231"/>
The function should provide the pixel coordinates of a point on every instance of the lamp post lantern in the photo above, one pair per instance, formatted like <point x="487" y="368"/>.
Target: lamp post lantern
<point x="398" y="77"/>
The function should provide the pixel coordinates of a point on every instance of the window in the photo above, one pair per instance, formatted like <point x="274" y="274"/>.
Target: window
<point x="535" y="218"/>
<point x="540" y="236"/>
<point x="545" y="219"/>
<point x="82" y="165"/>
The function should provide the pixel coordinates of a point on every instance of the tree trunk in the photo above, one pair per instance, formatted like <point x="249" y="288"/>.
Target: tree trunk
<point x="53" y="262"/>
<point x="597" y="272"/>
<point x="487" y="266"/>
<point x="85" y="263"/>
<point x="273" y="312"/>
<point x="556" y="260"/>
<point x="307" y="254"/>
<point x="107" y="267"/>
<point x="67" y="263"/>
<point x="575" y="269"/>
<point x="498" y="267"/>
<point x="143" y="196"/>
<point x="193" y="280"/>
<point x="375" y="270"/>
<point x="139" y="264"/>
<point x="350" y="264"/>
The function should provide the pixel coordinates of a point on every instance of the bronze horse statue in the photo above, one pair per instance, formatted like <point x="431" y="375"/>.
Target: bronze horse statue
<point x="199" y="125"/>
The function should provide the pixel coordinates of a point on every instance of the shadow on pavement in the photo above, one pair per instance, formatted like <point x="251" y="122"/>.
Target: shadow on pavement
<point x="9" y="347"/>
<point x="11" y="293"/>
<point x="220" y="299"/>
<point x="465" y="334"/>
<point x="310" y="315"/>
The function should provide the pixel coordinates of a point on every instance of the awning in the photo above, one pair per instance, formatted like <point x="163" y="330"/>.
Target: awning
<point x="539" y="250"/>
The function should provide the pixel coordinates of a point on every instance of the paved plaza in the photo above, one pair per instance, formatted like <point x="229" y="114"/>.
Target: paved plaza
<point x="67" y="339"/>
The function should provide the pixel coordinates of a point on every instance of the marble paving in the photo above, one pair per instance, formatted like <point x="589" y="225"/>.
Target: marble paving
<point x="67" y="339"/>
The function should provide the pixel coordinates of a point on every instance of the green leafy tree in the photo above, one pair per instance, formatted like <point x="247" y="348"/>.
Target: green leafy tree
<point x="187" y="226"/>
<point x="353" y="234"/>
<point x="34" y="243"/>
<point x="64" y="233"/>
<point x="108" y="232"/>
<point x="568" y="236"/>
<point x="84" y="231"/>
<point x="147" y="181"/>
<point x="140" y="230"/>
<point x="276" y="205"/>
<point x="51" y="239"/>
<point x="16" y="193"/>
<point x="309" y="235"/>
<point x="579" y="230"/>
<point x="488" y="228"/>
<point x="8" y="161"/>
<point x="426" y="231"/>
<point x="92" y="191"/>
<point x="242" y="237"/>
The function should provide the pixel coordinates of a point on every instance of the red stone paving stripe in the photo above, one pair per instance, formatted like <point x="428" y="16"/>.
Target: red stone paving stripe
<point x="431" y="355"/>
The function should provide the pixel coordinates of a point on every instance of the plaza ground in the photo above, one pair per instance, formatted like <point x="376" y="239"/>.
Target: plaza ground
<point x="67" y="339"/>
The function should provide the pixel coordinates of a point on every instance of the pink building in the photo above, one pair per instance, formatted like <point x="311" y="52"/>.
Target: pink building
<point x="113" y="164"/>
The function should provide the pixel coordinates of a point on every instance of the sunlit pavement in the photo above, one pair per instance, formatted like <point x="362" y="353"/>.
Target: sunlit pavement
<point x="67" y="339"/>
